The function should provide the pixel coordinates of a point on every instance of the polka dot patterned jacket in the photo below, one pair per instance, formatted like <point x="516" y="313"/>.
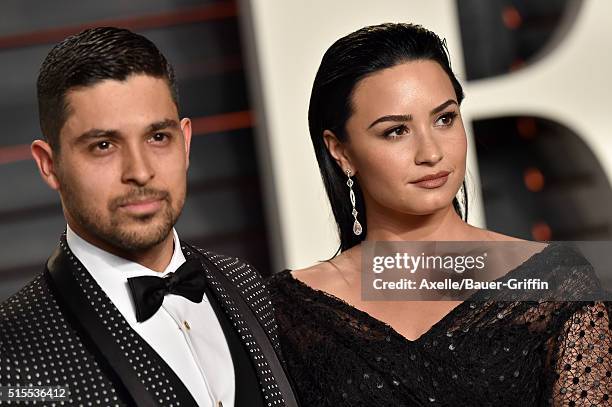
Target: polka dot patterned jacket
<point x="46" y="341"/>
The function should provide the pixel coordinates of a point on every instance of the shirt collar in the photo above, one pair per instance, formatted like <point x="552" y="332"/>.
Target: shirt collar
<point x="105" y="265"/>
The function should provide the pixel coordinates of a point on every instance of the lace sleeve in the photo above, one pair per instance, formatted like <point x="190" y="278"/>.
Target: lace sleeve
<point x="583" y="359"/>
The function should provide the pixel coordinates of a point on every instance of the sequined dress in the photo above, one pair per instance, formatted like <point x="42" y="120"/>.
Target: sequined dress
<point x="482" y="353"/>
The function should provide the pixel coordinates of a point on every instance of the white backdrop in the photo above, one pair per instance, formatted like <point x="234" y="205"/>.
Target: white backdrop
<point x="285" y="40"/>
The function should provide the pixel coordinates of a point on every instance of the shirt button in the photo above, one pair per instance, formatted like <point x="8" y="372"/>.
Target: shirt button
<point x="186" y="325"/>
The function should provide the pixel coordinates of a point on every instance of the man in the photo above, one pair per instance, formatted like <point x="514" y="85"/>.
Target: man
<point x="125" y="313"/>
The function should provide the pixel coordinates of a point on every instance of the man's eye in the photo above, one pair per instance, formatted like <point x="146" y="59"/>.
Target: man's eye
<point x="103" y="145"/>
<point x="159" y="137"/>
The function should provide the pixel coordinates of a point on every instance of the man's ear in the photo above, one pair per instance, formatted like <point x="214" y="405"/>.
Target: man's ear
<point x="43" y="155"/>
<point x="338" y="150"/>
<point x="186" y="129"/>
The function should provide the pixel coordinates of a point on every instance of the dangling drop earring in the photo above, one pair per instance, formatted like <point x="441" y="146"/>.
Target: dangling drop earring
<point x="357" y="229"/>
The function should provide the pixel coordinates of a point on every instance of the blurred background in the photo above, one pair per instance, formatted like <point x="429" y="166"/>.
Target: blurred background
<point x="535" y="74"/>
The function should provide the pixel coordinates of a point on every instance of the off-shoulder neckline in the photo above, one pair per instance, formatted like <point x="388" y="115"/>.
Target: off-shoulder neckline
<point x="286" y="274"/>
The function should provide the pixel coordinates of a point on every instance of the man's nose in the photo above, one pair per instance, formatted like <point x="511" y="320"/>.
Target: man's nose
<point x="137" y="166"/>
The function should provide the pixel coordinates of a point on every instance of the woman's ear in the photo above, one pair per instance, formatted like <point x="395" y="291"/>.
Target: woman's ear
<point x="338" y="150"/>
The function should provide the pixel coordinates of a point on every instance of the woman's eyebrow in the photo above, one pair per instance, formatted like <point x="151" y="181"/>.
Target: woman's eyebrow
<point x="408" y="117"/>
<point x="443" y="106"/>
<point x="392" y="118"/>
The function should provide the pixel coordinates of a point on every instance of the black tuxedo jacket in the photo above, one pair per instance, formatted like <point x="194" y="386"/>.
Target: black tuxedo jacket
<point x="62" y="330"/>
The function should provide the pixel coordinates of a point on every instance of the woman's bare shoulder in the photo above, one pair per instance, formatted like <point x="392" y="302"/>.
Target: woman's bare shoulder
<point x="314" y="273"/>
<point x="321" y="276"/>
<point x="489" y="235"/>
<point x="500" y="237"/>
<point x="511" y="256"/>
<point x="332" y="276"/>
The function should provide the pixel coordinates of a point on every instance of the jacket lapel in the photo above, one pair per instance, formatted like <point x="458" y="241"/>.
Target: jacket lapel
<point x="227" y="282"/>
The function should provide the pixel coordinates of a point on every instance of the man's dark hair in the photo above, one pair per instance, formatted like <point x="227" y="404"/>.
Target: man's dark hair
<point x="87" y="58"/>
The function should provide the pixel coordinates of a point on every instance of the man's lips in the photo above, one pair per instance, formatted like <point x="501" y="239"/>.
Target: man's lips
<point x="142" y="206"/>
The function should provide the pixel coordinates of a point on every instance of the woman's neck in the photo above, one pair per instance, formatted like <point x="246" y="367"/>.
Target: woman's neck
<point x="441" y="225"/>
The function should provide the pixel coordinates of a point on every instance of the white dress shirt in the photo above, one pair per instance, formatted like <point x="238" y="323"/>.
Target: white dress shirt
<point x="186" y="335"/>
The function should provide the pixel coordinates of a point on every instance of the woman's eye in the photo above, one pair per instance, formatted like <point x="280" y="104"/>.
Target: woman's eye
<point x="446" y="119"/>
<point x="396" y="132"/>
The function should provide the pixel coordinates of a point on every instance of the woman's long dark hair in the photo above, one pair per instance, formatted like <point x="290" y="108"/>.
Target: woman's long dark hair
<point x="346" y="62"/>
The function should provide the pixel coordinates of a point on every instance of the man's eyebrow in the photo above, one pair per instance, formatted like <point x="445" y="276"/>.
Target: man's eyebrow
<point x="109" y="133"/>
<point x="164" y="124"/>
<point x="96" y="134"/>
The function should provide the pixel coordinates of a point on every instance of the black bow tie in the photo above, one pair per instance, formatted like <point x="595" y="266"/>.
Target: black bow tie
<point x="148" y="291"/>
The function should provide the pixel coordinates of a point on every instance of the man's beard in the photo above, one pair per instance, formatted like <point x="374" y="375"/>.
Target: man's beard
<point x="117" y="231"/>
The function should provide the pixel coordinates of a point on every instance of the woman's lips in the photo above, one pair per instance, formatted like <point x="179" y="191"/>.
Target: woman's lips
<point x="433" y="183"/>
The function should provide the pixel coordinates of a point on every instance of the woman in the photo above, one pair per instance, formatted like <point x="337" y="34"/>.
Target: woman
<point x="384" y="114"/>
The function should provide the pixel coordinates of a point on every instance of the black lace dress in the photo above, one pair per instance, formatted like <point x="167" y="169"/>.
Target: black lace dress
<point x="480" y="354"/>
